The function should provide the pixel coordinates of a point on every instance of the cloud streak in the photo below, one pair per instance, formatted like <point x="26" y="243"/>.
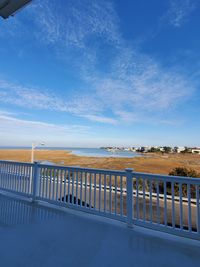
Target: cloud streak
<point x="134" y="86"/>
<point x="11" y="129"/>
<point x="80" y="20"/>
<point x="179" y="11"/>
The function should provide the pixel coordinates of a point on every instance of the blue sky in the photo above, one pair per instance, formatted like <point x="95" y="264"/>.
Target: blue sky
<point x="94" y="73"/>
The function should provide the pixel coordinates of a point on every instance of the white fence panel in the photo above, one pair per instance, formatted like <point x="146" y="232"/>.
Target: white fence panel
<point x="164" y="203"/>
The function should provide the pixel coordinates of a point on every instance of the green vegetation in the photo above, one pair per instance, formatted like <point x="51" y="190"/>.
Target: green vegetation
<point x="154" y="150"/>
<point x="182" y="171"/>
<point x="167" y="149"/>
<point x="187" y="150"/>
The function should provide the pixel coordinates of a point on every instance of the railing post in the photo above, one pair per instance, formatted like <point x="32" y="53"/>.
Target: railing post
<point x="35" y="180"/>
<point x="129" y="197"/>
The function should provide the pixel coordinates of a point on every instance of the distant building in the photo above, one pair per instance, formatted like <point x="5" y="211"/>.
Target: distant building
<point x="144" y="149"/>
<point x="179" y="149"/>
<point x="196" y="150"/>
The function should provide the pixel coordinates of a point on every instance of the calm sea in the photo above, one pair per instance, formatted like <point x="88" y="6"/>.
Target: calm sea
<point x="89" y="152"/>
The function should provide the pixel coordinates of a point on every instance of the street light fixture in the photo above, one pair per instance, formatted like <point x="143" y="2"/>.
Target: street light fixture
<point x="33" y="150"/>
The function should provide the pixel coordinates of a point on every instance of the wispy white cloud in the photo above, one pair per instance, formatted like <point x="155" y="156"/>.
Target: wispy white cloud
<point x="79" y="21"/>
<point x="41" y="126"/>
<point x="101" y="118"/>
<point x="134" y="86"/>
<point x="11" y="129"/>
<point x="28" y="97"/>
<point x="179" y="11"/>
<point x="139" y="84"/>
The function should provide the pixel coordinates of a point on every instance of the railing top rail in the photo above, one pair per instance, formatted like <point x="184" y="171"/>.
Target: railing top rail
<point x="168" y="178"/>
<point x="81" y="169"/>
<point x="16" y="162"/>
<point x="149" y="176"/>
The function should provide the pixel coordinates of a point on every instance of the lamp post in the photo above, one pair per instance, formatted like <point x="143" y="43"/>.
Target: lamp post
<point x="33" y="150"/>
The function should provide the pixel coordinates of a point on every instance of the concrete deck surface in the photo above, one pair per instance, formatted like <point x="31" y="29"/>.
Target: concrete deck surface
<point x="34" y="235"/>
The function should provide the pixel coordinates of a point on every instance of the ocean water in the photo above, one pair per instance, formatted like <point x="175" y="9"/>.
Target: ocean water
<point x="88" y="152"/>
<point x="97" y="152"/>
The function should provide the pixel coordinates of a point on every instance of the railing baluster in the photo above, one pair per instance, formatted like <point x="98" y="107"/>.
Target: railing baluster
<point x="104" y="193"/>
<point x="4" y="177"/>
<point x="173" y="210"/>
<point x="99" y="192"/>
<point x="62" y="178"/>
<point x="22" y="177"/>
<point x="189" y="208"/>
<point x="115" y="194"/>
<point x="85" y="189"/>
<point x="63" y="186"/>
<point x="51" y="183"/>
<point x="129" y="197"/>
<point x="8" y="171"/>
<point x="110" y="194"/>
<point x="55" y="174"/>
<point x="144" y="200"/>
<point x="6" y="182"/>
<point x="137" y="198"/>
<point x="81" y="189"/>
<point x="46" y="171"/>
<point x="9" y="177"/>
<point x="158" y="202"/>
<point x="90" y="192"/>
<point x="25" y="178"/>
<point x="57" y="183"/>
<point x="77" y="188"/>
<point x="151" y="209"/>
<point x="197" y="210"/>
<point x="19" y="177"/>
<point x="30" y="180"/>
<point x="6" y="174"/>
<point x="1" y="175"/>
<point x="121" y="196"/>
<point x="68" y="188"/>
<point x="95" y="188"/>
<point x="41" y="183"/>
<point x="181" y="206"/>
<point x="5" y="166"/>
<point x="165" y="203"/>
<point x="16" y="178"/>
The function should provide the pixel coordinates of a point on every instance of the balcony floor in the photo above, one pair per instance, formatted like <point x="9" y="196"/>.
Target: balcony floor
<point x="34" y="235"/>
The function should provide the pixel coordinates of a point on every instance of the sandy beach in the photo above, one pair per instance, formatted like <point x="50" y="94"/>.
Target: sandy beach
<point x="150" y="163"/>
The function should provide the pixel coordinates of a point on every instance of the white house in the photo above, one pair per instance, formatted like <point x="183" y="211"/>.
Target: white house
<point x="179" y="149"/>
<point x="196" y="150"/>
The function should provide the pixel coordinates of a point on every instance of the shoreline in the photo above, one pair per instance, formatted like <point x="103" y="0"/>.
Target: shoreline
<point x="151" y="163"/>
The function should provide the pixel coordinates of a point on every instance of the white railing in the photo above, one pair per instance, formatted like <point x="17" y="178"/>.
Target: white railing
<point x="169" y="203"/>
<point x="166" y="203"/>
<point x="96" y="191"/>
<point x="16" y="177"/>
